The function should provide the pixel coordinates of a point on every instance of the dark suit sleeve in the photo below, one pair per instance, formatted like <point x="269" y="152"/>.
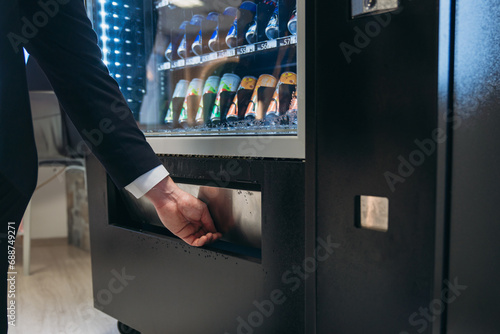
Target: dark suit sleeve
<point x="66" y="49"/>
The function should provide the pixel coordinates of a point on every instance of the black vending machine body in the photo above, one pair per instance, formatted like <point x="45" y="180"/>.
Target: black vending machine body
<point x="166" y="286"/>
<point x="474" y="181"/>
<point x="224" y="111"/>
<point x="369" y="136"/>
<point x="366" y="221"/>
<point x="402" y="169"/>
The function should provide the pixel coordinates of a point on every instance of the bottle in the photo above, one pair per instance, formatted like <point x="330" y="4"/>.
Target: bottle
<point x="272" y="29"/>
<point x="195" y="21"/>
<point x="292" y="23"/>
<point x="228" y="83"/>
<point x="251" y="34"/>
<point x="176" y="37"/>
<point x="213" y="42"/>
<point x="265" y="80"/>
<point x="292" y="110"/>
<point x="197" y="46"/>
<point x="210" y="88"/>
<point x="248" y="83"/>
<point x="174" y="109"/>
<point x="232" y="35"/>
<point x="273" y="111"/>
<point x="191" y="103"/>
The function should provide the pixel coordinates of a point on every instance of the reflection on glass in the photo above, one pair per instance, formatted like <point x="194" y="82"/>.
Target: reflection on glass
<point x="120" y="27"/>
<point x="210" y="68"/>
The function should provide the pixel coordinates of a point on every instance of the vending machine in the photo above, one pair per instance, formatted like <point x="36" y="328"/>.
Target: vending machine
<point x="323" y="136"/>
<point x="218" y="87"/>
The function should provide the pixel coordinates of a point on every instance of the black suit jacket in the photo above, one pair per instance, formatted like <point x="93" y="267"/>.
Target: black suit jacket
<point x="60" y="36"/>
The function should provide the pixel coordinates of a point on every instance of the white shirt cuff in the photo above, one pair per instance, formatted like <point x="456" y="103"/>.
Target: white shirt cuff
<point x="147" y="181"/>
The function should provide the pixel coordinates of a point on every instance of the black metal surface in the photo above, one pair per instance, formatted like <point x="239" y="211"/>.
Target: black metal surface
<point x="169" y="287"/>
<point x="474" y="228"/>
<point x="376" y="95"/>
<point x="444" y="162"/>
<point x="311" y="163"/>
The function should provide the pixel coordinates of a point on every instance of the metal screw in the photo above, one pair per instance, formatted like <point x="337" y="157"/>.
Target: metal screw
<point x="369" y="4"/>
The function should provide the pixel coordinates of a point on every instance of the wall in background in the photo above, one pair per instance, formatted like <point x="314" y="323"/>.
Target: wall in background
<point x="48" y="205"/>
<point x="78" y="209"/>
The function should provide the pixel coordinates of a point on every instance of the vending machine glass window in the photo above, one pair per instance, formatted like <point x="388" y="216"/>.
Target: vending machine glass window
<point x="209" y="77"/>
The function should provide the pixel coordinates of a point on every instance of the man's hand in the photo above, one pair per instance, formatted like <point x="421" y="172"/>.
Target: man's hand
<point x="183" y="214"/>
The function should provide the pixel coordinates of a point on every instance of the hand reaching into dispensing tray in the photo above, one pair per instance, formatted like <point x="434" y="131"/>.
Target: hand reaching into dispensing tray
<point x="183" y="214"/>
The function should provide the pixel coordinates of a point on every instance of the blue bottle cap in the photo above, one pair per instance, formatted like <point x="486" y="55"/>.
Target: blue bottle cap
<point x="212" y="16"/>
<point x="230" y="11"/>
<point x="249" y="5"/>
<point x="196" y="20"/>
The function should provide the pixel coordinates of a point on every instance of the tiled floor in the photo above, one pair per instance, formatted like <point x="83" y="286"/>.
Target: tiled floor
<point x="57" y="297"/>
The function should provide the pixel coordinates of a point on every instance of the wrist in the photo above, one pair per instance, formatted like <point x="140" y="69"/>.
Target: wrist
<point x="163" y="191"/>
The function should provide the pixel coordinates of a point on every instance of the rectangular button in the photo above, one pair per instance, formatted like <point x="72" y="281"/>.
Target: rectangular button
<point x="374" y="213"/>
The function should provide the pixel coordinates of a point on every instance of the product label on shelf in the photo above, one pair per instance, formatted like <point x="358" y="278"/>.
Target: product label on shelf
<point x="164" y="66"/>
<point x="193" y="60"/>
<point x="209" y="57"/>
<point x="178" y="63"/>
<point x="226" y="53"/>
<point x="242" y="50"/>
<point x="245" y="49"/>
<point x="267" y="45"/>
<point x="288" y="40"/>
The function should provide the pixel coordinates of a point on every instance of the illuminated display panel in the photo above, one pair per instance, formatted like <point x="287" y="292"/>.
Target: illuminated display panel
<point x="205" y="68"/>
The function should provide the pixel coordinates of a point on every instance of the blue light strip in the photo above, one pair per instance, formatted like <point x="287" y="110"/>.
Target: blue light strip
<point x="104" y="36"/>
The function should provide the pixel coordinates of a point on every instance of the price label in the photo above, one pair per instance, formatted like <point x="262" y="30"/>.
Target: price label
<point x="226" y="53"/>
<point x="285" y="41"/>
<point x="193" y="60"/>
<point x="245" y="49"/>
<point x="267" y="45"/>
<point x="209" y="57"/>
<point x="288" y="40"/>
<point x="164" y="66"/>
<point x="178" y="63"/>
